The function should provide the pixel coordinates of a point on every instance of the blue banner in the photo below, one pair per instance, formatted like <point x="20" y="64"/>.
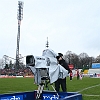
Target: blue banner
<point x="18" y="97"/>
<point x="96" y="65"/>
<point x="45" y="96"/>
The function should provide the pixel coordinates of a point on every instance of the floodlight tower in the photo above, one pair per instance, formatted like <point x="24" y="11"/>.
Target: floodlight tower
<point x="19" y="17"/>
<point x="47" y="44"/>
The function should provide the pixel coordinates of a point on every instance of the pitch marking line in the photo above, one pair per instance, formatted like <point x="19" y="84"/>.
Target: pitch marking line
<point x="88" y="88"/>
<point x="91" y="95"/>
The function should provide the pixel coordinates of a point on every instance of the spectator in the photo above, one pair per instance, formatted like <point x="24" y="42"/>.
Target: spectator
<point x="77" y="74"/>
<point x="71" y="75"/>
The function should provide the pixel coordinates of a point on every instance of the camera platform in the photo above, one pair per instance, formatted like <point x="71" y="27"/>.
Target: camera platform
<point x="46" y="95"/>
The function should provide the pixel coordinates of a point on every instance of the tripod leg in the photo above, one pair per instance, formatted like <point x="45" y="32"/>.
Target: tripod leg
<point x="55" y="90"/>
<point x="39" y="92"/>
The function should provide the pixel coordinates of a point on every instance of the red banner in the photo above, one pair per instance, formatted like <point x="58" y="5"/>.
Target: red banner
<point x="71" y="66"/>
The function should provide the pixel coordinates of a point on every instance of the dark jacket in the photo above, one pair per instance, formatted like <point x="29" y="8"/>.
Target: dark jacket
<point x="64" y="64"/>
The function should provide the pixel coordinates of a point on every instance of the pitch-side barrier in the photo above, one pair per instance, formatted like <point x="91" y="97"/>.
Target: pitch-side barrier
<point x="46" y="95"/>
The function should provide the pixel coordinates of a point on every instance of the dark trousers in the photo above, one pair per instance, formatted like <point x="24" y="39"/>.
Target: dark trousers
<point x="70" y="77"/>
<point x="78" y="77"/>
<point x="61" y="82"/>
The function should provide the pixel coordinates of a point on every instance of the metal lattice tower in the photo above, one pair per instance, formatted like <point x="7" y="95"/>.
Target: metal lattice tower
<point x="19" y="17"/>
<point x="47" y="44"/>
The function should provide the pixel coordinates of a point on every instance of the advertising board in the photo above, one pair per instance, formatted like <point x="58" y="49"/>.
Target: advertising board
<point x="46" y="95"/>
<point x="71" y="66"/>
<point x="95" y="65"/>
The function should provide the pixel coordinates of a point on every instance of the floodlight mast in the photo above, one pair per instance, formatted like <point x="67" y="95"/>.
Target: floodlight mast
<point x="19" y="17"/>
<point x="47" y="44"/>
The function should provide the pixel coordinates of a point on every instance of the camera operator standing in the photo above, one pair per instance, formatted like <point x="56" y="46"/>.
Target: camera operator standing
<point x="61" y="82"/>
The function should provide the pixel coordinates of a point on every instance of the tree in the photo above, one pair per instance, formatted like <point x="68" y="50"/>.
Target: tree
<point x="10" y="64"/>
<point x="6" y="66"/>
<point x="97" y="60"/>
<point x="68" y="57"/>
<point x="0" y="63"/>
<point x="72" y="58"/>
<point x="84" y="60"/>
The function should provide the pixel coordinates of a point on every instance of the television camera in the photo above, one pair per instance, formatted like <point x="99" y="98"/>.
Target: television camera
<point x="45" y="69"/>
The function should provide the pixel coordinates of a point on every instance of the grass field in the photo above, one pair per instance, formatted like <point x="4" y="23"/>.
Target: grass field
<point x="88" y="87"/>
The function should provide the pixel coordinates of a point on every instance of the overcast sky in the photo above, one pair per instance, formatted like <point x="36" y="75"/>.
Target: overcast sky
<point x="72" y="25"/>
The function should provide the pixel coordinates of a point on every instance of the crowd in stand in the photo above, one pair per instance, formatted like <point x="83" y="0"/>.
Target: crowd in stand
<point x="18" y="72"/>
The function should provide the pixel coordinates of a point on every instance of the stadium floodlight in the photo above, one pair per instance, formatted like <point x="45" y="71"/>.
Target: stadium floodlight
<point x="20" y="11"/>
<point x="19" y="17"/>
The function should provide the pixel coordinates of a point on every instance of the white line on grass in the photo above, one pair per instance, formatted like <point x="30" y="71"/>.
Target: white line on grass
<point x="88" y="88"/>
<point x="11" y="92"/>
<point x="91" y="95"/>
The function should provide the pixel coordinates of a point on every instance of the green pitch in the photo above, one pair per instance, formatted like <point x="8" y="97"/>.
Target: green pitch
<point x="88" y="87"/>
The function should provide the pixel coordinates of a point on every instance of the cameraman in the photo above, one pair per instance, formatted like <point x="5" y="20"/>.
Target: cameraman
<point x="61" y="82"/>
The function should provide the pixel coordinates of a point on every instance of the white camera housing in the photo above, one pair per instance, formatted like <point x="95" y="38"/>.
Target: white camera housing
<point x="46" y="67"/>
